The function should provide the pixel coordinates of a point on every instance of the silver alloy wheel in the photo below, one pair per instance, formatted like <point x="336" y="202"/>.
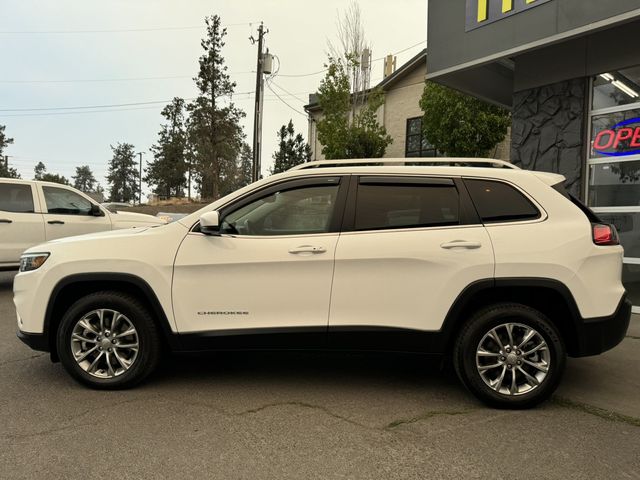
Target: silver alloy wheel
<point x="104" y="343"/>
<point x="513" y="359"/>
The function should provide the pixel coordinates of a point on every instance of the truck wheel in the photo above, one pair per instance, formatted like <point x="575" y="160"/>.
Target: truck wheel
<point x="108" y="340"/>
<point x="510" y="356"/>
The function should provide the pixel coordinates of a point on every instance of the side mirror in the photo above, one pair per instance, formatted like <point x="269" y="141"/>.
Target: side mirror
<point x="96" y="211"/>
<point x="210" y="223"/>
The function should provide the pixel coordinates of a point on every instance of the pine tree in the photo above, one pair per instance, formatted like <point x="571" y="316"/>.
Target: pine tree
<point x="123" y="174"/>
<point x="214" y="130"/>
<point x="292" y="149"/>
<point x="84" y="180"/>
<point x="6" y="171"/>
<point x="40" y="173"/>
<point x="166" y="173"/>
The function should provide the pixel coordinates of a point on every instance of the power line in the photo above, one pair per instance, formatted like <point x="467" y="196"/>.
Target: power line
<point x="114" y="30"/>
<point x="82" y="112"/>
<point x="283" y="101"/>
<point x="113" y="105"/>
<point x="96" y="80"/>
<point x="287" y="91"/>
<point x="55" y="111"/>
<point x="172" y="77"/>
<point x="374" y="60"/>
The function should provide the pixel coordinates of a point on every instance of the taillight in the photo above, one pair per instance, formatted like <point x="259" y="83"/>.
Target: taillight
<point x="604" y="234"/>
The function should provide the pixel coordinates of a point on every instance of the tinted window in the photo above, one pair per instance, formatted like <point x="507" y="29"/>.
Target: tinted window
<point x="499" y="202"/>
<point x="66" y="202"/>
<point x="406" y="206"/>
<point x="16" y="198"/>
<point x="417" y="144"/>
<point x="297" y="211"/>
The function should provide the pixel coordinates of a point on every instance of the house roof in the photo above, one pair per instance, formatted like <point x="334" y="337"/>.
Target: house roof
<point x="386" y="83"/>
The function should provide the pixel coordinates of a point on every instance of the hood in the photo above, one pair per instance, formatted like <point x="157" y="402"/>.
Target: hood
<point x="125" y="232"/>
<point x="133" y="217"/>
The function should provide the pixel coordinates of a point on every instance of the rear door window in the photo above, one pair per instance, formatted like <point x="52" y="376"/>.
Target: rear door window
<point x="498" y="202"/>
<point x="16" y="198"/>
<point x="387" y="203"/>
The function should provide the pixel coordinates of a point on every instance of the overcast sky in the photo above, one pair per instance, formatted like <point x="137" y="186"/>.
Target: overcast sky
<point x="65" y="53"/>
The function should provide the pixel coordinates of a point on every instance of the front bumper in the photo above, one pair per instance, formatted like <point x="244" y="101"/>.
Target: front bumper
<point x="37" y="341"/>
<point x="601" y="334"/>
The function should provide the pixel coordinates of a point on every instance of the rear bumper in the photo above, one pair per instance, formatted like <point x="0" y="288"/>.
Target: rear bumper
<point x="37" y="341"/>
<point x="601" y="334"/>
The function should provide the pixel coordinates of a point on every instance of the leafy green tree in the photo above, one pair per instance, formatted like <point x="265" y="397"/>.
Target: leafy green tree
<point x="461" y="125"/>
<point x="5" y="170"/>
<point x="123" y="174"/>
<point x="343" y="133"/>
<point x="166" y="173"/>
<point x="40" y="173"/>
<point x="214" y="132"/>
<point x="84" y="180"/>
<point x="292" y="149"/>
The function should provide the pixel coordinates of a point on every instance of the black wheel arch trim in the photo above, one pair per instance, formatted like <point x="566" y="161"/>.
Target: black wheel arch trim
<point x="583" y="341"/>
<point x="123" y="278"/>
<point x="587" y="332"/>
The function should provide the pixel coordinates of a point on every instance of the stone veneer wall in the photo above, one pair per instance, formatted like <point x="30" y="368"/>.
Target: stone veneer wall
<point x="548" y="130"/>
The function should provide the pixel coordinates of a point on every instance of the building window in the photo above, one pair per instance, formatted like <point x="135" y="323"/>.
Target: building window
<point x="613" y="166"/>
<point x="417" y="144"/>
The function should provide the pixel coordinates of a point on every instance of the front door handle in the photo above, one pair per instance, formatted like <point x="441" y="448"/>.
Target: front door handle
<point x="461" y="244"/>
<point x="5" y="220"/>
<point x="55" y="222"/>
<point x="309" y="249"/>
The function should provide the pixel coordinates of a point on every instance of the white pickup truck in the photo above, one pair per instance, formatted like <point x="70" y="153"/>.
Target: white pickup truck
<point x="33" y="212"/>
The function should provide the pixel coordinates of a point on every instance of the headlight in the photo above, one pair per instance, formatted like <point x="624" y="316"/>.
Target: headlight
<point x="32" y="261"/>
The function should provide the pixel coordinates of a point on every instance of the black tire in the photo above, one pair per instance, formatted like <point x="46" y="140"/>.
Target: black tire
<point x="137" y="314"/>
<point x="474" y="331"/>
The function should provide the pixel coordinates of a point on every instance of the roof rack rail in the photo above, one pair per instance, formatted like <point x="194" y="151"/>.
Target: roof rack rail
<point x="403" y="161"/>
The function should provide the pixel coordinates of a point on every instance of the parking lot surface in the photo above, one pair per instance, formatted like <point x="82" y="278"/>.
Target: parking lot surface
<point x="267" y="415"/>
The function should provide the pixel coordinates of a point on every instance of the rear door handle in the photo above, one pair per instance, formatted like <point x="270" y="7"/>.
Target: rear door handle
<point x="461" y="244"/>
<point x="310" y="249"/>
<point x="5" y="220"/>
<point x="55" y="222"/>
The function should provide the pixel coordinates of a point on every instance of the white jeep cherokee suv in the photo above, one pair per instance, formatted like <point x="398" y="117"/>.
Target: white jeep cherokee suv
<point x="497" y="267"/>
<point x="32" y="212"/>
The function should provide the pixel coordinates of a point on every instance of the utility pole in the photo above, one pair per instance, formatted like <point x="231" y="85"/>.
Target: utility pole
<point x="257" y="119"/>
<point x="140" y="195"/>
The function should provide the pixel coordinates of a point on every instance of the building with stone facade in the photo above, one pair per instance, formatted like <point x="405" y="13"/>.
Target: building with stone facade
<point x="400" y="114"/>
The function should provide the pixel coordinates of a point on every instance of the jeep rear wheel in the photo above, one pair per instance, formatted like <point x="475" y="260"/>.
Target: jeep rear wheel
<point x="108" y="340"/>
<point x="510" y="356"/>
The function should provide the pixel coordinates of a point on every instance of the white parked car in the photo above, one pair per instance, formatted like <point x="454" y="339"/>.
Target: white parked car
<point x="499" y="268"/>
<point x="33" y="212"/>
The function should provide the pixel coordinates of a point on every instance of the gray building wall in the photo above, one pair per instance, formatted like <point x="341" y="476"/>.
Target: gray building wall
<point x="450" y="45"/>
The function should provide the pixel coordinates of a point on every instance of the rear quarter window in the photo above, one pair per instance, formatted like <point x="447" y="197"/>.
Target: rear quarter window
<point x="498" y="202"/>
<point x="16" y="198"/>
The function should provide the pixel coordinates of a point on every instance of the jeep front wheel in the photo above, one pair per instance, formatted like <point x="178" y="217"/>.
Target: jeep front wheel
<point x="108" y="340"/>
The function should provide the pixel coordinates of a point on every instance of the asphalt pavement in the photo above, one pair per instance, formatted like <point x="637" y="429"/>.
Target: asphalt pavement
<point x="308" y="416"/>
